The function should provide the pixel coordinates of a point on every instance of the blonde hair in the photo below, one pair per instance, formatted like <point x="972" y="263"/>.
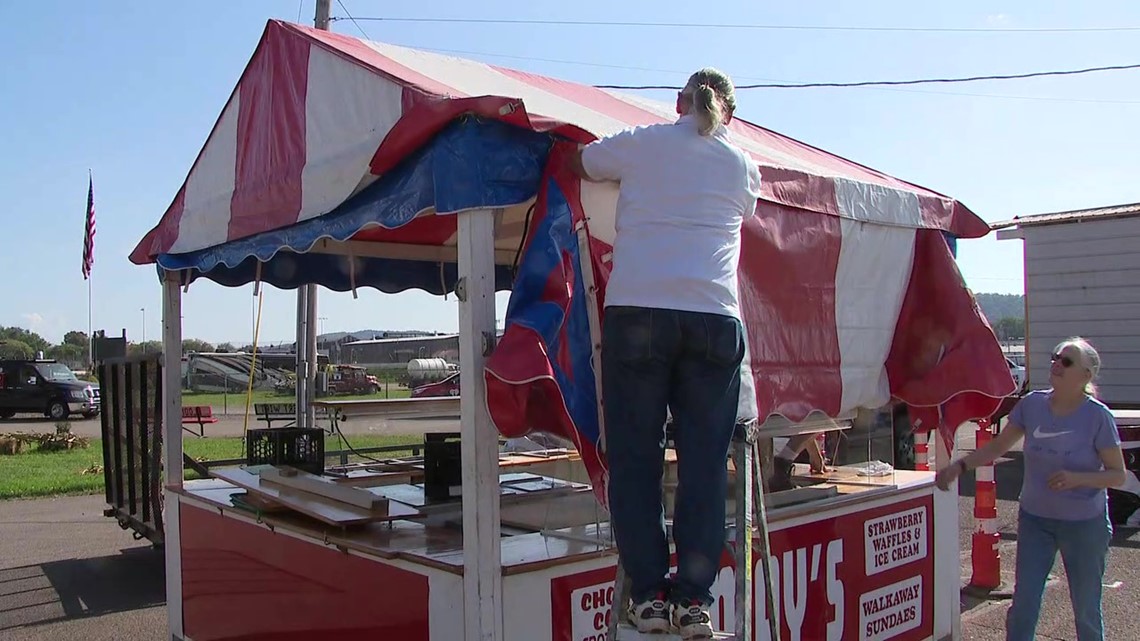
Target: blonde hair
<point x="1089" y="359"/>
<point x="712" y="97"/>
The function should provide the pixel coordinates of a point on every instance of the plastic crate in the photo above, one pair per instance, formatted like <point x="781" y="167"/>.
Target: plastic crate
<point x="443" y="468"/>
<point x="300" y="447"/>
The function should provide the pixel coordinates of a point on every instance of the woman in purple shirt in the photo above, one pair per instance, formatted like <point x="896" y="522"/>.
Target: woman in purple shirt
<point x="1072" y="454"/>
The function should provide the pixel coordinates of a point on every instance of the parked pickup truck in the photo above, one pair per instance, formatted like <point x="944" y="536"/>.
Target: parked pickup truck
<point x="45" y="387"/>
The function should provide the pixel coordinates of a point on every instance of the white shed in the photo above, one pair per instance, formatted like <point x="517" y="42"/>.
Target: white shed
<point x="1082" y="277"/>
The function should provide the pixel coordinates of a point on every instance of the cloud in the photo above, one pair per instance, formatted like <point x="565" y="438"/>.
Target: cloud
<point x="997" y="20"/>
<point x="48" y="326"/>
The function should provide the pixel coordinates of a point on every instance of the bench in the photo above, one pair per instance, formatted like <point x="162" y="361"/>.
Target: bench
<point x="200" y="415"/>
<point x="287" y="412"/>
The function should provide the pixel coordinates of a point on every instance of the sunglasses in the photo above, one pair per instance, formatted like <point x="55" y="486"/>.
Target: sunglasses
<point x="1065" y="360"/>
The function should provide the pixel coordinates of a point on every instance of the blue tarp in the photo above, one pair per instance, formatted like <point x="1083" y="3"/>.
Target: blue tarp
<point x="472" y="164"/>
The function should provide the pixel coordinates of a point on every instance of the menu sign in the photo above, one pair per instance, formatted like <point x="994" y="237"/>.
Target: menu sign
<point x="867" y="575"/>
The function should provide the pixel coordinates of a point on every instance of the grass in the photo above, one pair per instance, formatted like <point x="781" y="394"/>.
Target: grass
<point x="235" y="403"/>
<point x="79" y="471"/>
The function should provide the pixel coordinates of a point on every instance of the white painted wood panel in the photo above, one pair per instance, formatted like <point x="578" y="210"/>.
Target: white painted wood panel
<point x="1104" y="278"/>
<point x="1089" y="230"/>
<point x="1083" y="279"/>
<point x="1086" y="327"/>
<point x="1045" y="267"/>
<point x="1068" y="309"/>
<point x="1078" y="296"/>
<point x="1081" y="248"/>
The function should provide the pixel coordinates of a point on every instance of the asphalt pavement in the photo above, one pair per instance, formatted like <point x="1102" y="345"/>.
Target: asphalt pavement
<point x="67" y="572"/>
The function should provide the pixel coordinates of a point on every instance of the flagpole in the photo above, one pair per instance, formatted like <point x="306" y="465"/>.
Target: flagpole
<point x="90" y="336"/>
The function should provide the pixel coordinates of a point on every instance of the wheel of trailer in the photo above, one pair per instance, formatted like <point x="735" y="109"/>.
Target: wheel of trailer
<point x="57" y="410"/>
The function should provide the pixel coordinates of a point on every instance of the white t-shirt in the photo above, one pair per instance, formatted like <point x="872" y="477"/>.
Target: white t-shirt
<point x="683" y="199"/>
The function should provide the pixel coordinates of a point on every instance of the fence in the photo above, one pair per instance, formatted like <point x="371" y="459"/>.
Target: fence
<point x="131" y="416"/>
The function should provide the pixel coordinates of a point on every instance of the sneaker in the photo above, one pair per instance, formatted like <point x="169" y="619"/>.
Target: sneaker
<point x="692" y="620"/>
<point x="651" y="616"/>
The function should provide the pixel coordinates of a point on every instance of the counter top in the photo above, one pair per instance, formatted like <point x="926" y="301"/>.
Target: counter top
<point x="540" y="530"/>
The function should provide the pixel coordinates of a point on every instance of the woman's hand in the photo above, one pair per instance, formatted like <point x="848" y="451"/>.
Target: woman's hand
<point x="1064" y="480"/>
<point x="815" y="457"/>
<point x="948" y="475"/>
<point x="819" y="466"/>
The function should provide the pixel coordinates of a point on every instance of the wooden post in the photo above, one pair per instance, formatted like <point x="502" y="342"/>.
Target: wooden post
<point x="307" y="305"/>
<point x="482" y="555"/>
<point x="743" y="453"/>
<point x="172" y="444"/>
<point x="312" y="361"/>
<point x="300" y="345"/>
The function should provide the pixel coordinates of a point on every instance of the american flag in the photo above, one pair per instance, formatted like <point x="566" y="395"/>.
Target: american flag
<point x="89" y="231"/>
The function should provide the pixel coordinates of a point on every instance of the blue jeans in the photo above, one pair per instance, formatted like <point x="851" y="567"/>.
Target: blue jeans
<point x="1084" y="548"/>
<point x="688" y="362"/>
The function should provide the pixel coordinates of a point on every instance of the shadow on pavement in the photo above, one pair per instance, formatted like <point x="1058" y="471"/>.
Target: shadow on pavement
<point x="78" y="588"/>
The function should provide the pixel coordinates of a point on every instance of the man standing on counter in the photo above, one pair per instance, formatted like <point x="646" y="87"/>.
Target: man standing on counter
<point x="672" y="340"/>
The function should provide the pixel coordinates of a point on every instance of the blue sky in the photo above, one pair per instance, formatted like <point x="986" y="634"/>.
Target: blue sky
<point x="130" y="90"/>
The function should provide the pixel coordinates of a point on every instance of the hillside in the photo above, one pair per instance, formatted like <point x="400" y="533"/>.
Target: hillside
<point x="999" y="306"/>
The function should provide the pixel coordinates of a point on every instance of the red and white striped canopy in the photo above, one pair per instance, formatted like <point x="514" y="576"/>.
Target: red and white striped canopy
<point x="317" y="116"/>
<point x="844" y="308"/>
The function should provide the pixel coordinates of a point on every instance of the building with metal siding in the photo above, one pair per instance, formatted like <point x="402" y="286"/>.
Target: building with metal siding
<point x="1082" y="277"/>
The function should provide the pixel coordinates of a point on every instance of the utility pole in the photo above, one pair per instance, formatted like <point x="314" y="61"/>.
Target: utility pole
<point x="321" y="20"/>
<point x="307" y="306"/>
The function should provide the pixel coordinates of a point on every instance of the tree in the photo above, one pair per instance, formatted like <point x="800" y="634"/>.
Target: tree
<point x="227" y="347"/>
<point x="195" y="345"/>
<point x="68" y="353"/>
<point x="149" y="347"/>
<point x="77" y="338"/>
<point x="33" y="340"/>
<point x="11" y="348"/>
<point x="1009" y="328"/>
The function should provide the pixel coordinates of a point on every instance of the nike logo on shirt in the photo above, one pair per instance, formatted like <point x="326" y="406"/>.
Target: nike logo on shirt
<point x="1037" y="433"/>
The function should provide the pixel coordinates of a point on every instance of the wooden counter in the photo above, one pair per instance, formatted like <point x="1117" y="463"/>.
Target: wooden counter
<point x="540" y="530"/>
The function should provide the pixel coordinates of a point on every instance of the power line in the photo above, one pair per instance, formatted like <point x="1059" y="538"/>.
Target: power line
<point x="1097" y="101"/>
<point x="347" y="13"/>
<point x="686" y="73"/>
<point x="761" y="27"/>
<point x="898" y="83"/>
<point x="768" y="83"/>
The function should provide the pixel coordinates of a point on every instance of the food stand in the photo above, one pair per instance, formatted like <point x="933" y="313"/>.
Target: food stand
<point x="345" y="164"/>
